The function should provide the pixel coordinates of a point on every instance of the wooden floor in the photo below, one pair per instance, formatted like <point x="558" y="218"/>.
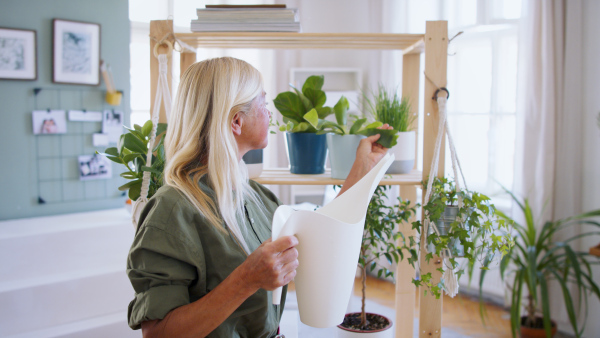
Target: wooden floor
<point x="460" y="314"/>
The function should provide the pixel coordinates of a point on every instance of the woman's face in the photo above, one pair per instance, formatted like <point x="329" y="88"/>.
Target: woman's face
<point x="255" y="130"/>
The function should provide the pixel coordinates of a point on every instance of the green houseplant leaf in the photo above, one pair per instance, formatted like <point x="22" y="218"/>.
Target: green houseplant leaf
<point x="290" y="105"/>
<point x="131" y="152"/>
<point x="387" y="139"/>
<point x="297" y="106"/>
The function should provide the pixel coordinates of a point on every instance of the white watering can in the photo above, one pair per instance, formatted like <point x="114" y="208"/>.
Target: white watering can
<point x="328" y="250"/>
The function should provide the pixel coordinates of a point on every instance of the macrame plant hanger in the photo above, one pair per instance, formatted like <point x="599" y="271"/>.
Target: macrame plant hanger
<point x="449" y="277"/>
<point x="162" y="92"/>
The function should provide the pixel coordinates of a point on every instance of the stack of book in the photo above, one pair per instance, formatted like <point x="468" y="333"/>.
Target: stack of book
<point x="250" y="18"/>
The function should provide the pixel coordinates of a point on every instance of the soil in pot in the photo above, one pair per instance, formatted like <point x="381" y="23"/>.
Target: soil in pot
<point x="537" y="330"/>
<point x="375" y="322"/>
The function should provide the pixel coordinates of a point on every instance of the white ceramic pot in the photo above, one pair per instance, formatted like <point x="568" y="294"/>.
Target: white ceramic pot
<point x="385" y="333"/>
<point x="254" y="162"/>
<point x="342" y="153"/>
<point x="404" y="152"/>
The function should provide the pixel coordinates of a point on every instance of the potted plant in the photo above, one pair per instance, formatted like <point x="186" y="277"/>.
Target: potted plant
<point x="131" y="151"/>
<point x="536" y="260"/>
<point x="343" y="138"/>
<point x="379" y="240"/>
<point x="388" y="108"/>
<point x="303" y="115"/>
<point x="465" y="229"/>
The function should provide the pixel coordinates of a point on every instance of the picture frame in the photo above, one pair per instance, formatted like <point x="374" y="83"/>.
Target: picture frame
<point x="18" y="54"/>
<point x="75" y="52"/>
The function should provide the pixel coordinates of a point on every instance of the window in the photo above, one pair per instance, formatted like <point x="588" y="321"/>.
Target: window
<point x="482" y="80"/>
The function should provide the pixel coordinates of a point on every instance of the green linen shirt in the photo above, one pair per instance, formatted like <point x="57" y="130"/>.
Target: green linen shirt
<point x="177" y="257"/>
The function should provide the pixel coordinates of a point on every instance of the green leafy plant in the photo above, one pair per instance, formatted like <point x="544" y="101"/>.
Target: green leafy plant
<point x="304" y="111"/>
<point x="131" y="152"/>
<point x="536" y="260"/>
<point x="344" y="125"/>
<point x="387" y="107"/>
<point x="475" y="229"/>
<point x="380" y="237"/>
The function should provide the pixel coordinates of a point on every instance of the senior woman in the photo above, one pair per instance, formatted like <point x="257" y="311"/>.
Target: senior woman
<point x="202" y="263"/>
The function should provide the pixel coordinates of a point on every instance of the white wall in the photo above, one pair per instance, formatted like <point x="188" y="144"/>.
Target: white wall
<point x="591" y="134"/>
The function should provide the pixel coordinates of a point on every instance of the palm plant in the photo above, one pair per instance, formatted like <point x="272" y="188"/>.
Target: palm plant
<point x="536" y="260"/>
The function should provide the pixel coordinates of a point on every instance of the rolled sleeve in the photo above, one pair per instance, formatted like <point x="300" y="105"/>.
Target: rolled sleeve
<point x="160" y="268"/>
<point x="156" y="303"/>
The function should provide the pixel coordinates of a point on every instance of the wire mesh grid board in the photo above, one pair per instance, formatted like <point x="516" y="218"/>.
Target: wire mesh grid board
<point x="60" y="175"/>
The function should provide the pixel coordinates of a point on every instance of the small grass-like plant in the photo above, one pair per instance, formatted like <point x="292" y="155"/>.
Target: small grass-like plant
<point x="387" y="107"/>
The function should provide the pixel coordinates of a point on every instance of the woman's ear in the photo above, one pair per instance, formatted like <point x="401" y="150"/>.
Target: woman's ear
<point x="236" y="123"/>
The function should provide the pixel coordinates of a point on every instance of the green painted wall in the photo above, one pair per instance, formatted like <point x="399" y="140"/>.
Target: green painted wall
<point x="32" y="166"/>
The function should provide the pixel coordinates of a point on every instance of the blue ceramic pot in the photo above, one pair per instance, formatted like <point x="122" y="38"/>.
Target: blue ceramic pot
<point x="306" y="152"/>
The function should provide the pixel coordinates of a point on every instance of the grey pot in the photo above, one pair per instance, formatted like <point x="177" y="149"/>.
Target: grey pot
<point x="342" y="153"/>
<point x="443" y="225"/>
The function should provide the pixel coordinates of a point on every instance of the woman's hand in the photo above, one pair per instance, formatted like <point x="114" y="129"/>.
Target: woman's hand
<point x="273" y="264"/>
<point x="368" y="154"/>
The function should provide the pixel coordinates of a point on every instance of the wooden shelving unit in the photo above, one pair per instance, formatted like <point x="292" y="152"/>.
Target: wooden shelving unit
<point x="284" y="177"/>
<point x="434" y="43"/>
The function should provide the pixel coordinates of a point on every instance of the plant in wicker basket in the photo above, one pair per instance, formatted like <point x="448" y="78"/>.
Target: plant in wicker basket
<point x="131" y="152"/>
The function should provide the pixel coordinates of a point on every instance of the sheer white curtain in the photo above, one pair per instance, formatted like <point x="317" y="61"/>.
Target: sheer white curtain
<point x="548" y="164"/>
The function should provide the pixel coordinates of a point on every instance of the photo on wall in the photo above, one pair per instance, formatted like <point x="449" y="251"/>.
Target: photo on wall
<point x="112" y="124"/>
<point x="49" y="122"/>
<point x="94" y="167"/>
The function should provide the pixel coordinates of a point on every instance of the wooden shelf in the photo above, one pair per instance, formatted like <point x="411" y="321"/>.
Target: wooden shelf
<point x="409" y="43"/>
<point x="284" y="177"/>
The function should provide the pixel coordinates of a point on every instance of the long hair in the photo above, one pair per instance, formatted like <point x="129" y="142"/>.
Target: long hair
<point x="199" y="139"/>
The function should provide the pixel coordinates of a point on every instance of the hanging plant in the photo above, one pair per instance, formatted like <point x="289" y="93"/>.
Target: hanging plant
<point x="460" y="224"/>
<point x="131" y="152"/>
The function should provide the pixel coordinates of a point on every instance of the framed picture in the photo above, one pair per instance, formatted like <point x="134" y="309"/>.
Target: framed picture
<point x="18" y="54"/>
<point x="76" y="52"/>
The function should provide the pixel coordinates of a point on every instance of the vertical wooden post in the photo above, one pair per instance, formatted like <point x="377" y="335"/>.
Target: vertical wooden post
<point x="405" y="289"/>
<point x="186" y="59"/>
<point x="158" y="30"/>
<point x="436" y="57"/>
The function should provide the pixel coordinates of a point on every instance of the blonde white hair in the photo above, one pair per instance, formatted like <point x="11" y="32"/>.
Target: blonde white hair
<point x="200" y="140"/>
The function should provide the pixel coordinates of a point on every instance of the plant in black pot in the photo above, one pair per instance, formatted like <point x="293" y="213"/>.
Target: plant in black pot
<point x="344" y="135"/>
<point x="466" y="225"/>
<point x="537" y="261"/>
<point x="379" y="240"/>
